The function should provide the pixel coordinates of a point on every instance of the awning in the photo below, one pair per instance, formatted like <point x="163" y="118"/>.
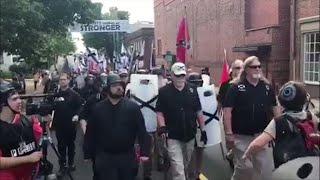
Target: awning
<point x="252" y="48"/>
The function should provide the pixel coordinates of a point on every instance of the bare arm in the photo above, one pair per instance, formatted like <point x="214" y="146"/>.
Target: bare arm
<point x="227" y="120"/>
<point x="257" y="144"/>
<point x="10" y="162"/>
<point x="200" y="120"/>
<point x="276" y="111"/>
<point x="160" y="119"/>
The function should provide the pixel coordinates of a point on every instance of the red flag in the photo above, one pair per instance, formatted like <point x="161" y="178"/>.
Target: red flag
<point x="225" y="70"/>
<point x="183" y="41"/>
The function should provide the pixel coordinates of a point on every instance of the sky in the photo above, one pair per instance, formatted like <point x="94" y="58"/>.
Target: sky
<point x="140" y="10"/>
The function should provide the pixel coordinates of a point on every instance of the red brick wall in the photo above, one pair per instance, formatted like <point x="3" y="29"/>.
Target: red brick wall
<point x="307" y="8"/>
<point x="261" y="13"/>
<point x="215" y="25"/>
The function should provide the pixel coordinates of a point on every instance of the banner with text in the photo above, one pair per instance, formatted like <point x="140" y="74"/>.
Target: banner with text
<point x="103" y="26"/>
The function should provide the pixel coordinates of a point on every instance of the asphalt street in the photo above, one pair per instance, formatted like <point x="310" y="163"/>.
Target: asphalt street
<point x="214" y="165"/>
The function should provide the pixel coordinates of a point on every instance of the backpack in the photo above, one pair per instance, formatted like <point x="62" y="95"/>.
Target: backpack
<point x="291" y="143"/>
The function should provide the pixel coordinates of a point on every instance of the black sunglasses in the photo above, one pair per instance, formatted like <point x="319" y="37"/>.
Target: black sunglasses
<point x="180" y="75"/>
<point x="236" y="68"/>
<point x="255" y="66"/>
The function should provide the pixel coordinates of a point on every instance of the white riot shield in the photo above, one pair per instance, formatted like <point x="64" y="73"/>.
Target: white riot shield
<point x="144" y="91"/>
<point x="205" y="79"/>
<point x="209" y="106"/>
<point x="306" y="168"/>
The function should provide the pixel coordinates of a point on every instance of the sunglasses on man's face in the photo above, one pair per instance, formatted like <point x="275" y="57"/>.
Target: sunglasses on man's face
<point x="237" y="68"/>
<point x="180" y="75"/>
<point x="255" y="67"/>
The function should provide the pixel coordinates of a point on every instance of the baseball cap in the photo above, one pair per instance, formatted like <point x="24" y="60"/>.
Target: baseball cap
<point x="178" y="68"/>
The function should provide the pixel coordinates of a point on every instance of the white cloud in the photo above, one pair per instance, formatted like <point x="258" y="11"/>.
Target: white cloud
<point x="140" y="10"/>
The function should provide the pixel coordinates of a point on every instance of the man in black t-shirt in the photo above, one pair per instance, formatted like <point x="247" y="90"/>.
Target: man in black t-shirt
<point x="248" y="107"/>
<point x="178" y="107"/>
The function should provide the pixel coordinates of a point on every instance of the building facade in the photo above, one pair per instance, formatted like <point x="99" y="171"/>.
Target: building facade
<point x="241" y="27"/>
<point x="305" y="44"/>
<point x="6" y="60"/>
<point x="141" y="42"/>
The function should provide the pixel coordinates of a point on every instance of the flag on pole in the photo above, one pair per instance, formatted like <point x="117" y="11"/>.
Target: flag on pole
<point x="183" y="41"/>
<point x="225" y="69"/>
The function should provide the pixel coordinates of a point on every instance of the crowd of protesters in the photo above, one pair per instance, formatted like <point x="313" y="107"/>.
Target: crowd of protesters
<point x="112" y="124"/>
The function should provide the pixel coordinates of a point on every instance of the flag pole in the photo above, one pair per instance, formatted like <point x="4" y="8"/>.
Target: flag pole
<point x="225" y="54"/>
<point x="185" y="32"/>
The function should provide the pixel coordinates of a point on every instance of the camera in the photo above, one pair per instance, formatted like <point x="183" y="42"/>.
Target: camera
<point x="44" y="107"/>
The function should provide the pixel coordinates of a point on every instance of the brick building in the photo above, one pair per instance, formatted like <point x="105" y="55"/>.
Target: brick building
<point x="242" y="27"/>
<point x="305" y="44"/>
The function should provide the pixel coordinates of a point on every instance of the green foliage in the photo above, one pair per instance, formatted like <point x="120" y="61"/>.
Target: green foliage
<point x="6" y="74"/>
<point x="26" y="26"/>
<point x="104" y="41"/>
<point x="56" y="45"/>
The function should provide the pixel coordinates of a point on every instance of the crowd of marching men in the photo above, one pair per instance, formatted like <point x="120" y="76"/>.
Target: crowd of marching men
<point x="114" y="118"/>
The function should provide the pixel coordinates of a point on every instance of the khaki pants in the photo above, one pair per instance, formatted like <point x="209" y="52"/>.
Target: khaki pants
<point x="258" y="167"/>
<point x="180" y="156"/>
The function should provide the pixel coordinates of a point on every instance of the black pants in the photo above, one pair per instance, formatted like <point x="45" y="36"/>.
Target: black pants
<point x="66" y="144"/>
<point x="115" y="166"/>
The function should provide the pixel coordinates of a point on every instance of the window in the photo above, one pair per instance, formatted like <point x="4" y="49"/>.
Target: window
<point x="311" y="53"/>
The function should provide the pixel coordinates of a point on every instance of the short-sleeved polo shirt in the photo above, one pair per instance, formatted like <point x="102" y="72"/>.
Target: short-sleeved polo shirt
<point x="252" y="106"/>
<point x="180" y="111"/>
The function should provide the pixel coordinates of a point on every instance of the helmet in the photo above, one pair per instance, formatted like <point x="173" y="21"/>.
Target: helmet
<point x="113" y="79"/>
<point x="293" y="96"/>
<point x="195" y="78"/>
<point x="5" y="91"/>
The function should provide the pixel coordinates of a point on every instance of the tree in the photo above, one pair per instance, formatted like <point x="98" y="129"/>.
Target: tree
<point x="19" y="68"/>
<point x="24" y="24"/>
<point x="104" y="41"/>
<point x="56" y="45"/>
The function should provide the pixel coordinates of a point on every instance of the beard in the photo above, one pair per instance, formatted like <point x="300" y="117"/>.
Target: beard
<point x="117" y="95"/>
